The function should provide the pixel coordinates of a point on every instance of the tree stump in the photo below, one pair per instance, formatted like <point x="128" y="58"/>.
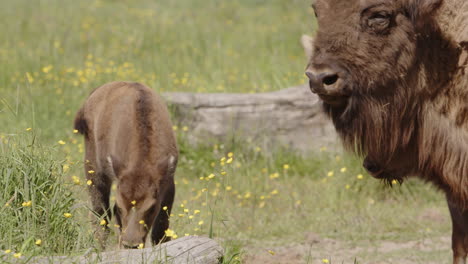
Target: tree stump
<point x="185" y="250"/>
<point x="292" y="117"/>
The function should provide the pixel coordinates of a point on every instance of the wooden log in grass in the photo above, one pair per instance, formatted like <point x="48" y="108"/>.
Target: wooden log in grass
<point x="185" y="250"/>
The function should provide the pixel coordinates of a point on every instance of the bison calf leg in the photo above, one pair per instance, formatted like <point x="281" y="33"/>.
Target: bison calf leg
<point x="459" y="234"/>
<point x="161" y="223"/>
<point x="99" y="192"/>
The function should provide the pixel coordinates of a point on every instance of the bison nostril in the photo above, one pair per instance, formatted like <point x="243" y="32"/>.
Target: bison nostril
<point x="330" y="79"/>
<point x="371" y="167"/>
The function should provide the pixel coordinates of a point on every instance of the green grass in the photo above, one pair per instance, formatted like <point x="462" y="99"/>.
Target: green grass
<point x="52" y="53"/>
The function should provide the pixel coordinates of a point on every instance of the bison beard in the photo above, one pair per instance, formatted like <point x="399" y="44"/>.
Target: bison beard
<point x="392" y="78"/>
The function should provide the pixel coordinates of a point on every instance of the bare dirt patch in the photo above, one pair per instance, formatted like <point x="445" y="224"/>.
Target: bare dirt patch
<point x="315" y="249"/>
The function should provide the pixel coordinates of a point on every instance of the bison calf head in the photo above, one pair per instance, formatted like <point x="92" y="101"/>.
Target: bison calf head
<point x="136" y="208"/>
<point x="364" y="47"/>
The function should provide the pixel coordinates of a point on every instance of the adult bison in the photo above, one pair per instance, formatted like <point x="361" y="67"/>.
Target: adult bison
<point x="129" y="139"/>
<point x="392" y="77"/>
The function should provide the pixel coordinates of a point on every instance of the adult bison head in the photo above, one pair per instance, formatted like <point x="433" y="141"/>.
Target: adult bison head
<point x="369" y="65"/>
<point x="364" y="47"/>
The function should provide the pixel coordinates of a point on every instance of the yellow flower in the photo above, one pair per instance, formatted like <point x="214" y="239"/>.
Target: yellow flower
<point x="182" y="205"/>
<point x="141" y="245"/>
<point x="29" y="77"/>
<point x="187" y="234"/>
<point x="229" y="161"/>
<point x="274" y="192"/>
<point x="230" y="155"/>
<point x="169" y="233"/>
<point x="67" y="215"/>
<point x="325" y="261"/>
<point x="38" y="242"/>
<point x="330" y="173"/>
<point x="174" y="236"/>
<point x="343" y="170"/>
<point x="89" y="182"/>
<point x="8" y="251"/>
<point x="186" y="210"/>
<point x="66" y="167"/>
<point x="76" y="180"/>
<point x="17" y="255"/>
<point x="360" y="177"/>
<point x="174" y="128"/>
<point x="394" y="182"/>
<point x="286" y="166"/>
<point x="201" y="222"/>
<point x="228" y="188"/>
<point x="211" y="176"/>
<point x="91" y="172"/>
<point x="196" y="211"/>
<point x="185" y="128"/>
<point x="103" y="222"/>
<point x="28" y="129"/>
<point x="61" y="142"/>
<point x="75" y="131"/>
<point x="347" y="186"/>
<point x="165" y="208"/>
<point x="116" y="226"/>
<point x="26" y="204"/>
<point x="274" y="175"/>
<point x="190" y="217"/>
<point x="47" y="69"/>
<point x="141" y="222"/>
<point x="271" y="252"/>
<point x="133" y="202"/>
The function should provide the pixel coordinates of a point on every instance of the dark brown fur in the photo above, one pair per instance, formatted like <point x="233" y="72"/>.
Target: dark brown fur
<point x="402" y="91"/>
<point x="129" y="139"/>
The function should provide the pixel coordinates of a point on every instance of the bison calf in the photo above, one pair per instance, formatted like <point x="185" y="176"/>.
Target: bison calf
<point x="392" y="75"/>
<point x="129" y="139"/>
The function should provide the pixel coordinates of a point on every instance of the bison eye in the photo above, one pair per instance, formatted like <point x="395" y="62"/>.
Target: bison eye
<point x="379" y="22"/>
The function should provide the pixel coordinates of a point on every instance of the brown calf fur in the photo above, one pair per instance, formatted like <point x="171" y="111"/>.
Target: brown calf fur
<point x="392" y="77"/>
<point x="129" y="139"/>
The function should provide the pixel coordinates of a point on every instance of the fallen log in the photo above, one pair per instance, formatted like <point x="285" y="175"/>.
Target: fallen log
<point x="185" y="250"/>
<point x="292" y="117"/>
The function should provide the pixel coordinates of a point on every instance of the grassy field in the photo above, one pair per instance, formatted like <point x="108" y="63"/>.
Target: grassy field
<point x="263" y="205"/>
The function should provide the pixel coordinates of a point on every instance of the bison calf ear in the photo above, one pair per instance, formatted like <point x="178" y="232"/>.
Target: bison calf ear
<point x="308" y="45"/>
<point x="80" y="123"/>
<point x="422" y="11"/>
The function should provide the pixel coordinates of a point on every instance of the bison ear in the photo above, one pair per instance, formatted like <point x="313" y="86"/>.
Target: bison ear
<point x="421" y="11"/>
<point x="308" y="45"/>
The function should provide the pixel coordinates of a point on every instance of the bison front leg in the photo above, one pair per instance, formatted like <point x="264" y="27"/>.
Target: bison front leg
<point x="161" y="223"/>
<point x="99" y="188"/>
<point x="459" y="234"/>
